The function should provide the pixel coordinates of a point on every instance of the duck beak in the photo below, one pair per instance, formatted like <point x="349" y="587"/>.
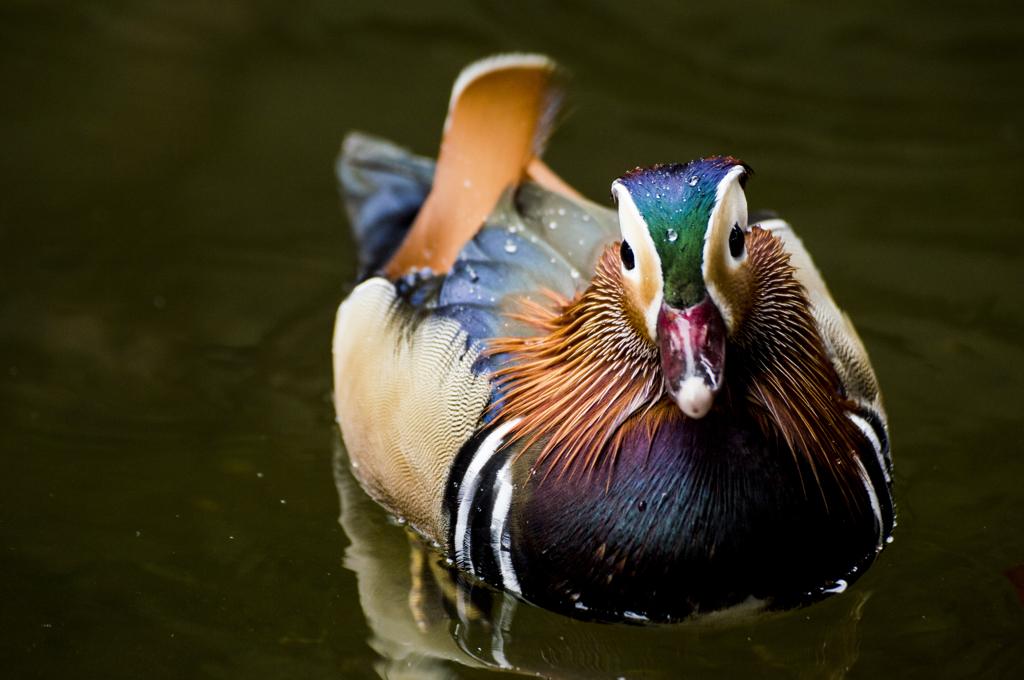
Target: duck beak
<point x="692" y="347"/>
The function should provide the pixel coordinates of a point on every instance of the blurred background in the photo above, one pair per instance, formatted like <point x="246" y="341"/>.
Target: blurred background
<point x="173" y="250"/>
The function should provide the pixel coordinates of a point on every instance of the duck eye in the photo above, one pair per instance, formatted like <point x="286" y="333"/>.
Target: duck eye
<point x="626" y="253"/>
<point x="736" y="242"/>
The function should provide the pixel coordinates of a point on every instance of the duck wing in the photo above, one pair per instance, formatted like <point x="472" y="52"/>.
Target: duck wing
<point x="382" y="187"/>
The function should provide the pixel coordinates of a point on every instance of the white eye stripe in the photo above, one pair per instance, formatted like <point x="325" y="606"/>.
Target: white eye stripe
<point x="730" y="210"/>
<point x="719" y="264"/>
<point x="645" y="279"/>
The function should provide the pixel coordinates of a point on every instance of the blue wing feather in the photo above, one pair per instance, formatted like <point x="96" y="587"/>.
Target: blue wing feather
<point x="383" y="187"/>
<point x="534" y="241"/>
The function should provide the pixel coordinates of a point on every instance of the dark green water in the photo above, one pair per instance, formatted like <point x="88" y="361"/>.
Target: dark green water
<point x="172" y="252"/>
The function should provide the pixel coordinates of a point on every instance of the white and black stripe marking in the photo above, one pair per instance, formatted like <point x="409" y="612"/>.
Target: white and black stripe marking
<point x="876" y="473"/>
<point x="479" y="498"/>
<point x="875" y="437"/>
<point x="876" y="508"/>
<point x="500" y="539"/>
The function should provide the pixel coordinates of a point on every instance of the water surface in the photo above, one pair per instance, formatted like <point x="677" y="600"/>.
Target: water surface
<point x="172" y="252"/>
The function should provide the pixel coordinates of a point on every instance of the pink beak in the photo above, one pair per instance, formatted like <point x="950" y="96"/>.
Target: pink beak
<point x="692" y="346"/>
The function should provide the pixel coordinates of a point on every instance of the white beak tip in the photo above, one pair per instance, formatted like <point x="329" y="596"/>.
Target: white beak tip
<point x="694" y="397"/>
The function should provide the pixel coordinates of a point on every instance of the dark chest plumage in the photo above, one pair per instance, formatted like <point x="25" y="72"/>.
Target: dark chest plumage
<point x="696" y="516"/>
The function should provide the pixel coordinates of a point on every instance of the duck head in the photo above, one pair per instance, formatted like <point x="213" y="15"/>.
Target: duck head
<point x="684" y="268"/>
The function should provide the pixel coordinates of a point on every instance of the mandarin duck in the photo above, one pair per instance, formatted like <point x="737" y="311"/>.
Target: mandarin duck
<point x="643" y="414"/>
